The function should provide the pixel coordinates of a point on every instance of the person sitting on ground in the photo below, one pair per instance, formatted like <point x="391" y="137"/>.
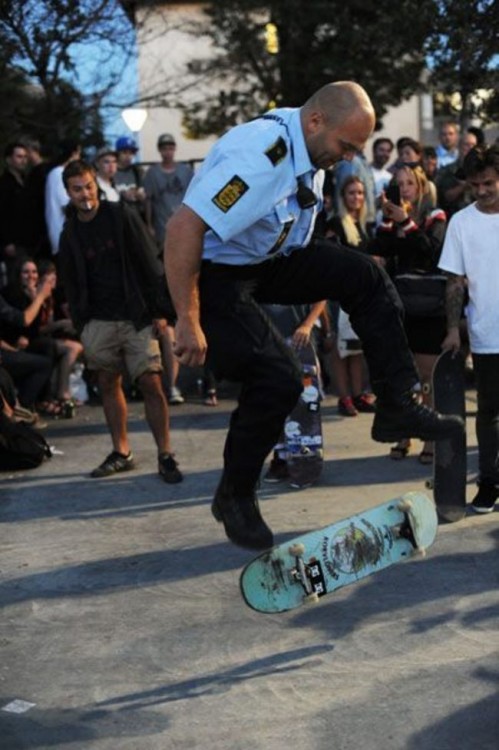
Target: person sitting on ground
<point x="12" y="407"/>
<point x="20" y="294"/>
<point x="38" y="338"/>
<point x="30" y="372"/>
<point x="55" y="324"/>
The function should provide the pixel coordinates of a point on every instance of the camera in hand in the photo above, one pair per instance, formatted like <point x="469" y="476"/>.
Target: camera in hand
<point x="392" y="193"/>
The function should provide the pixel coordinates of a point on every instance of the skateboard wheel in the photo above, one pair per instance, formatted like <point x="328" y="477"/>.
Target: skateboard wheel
<point x="404" y="506"/>
<point x="297" y="550"/>
<point x="312" y="598"/>
<point x="429" y="484"/>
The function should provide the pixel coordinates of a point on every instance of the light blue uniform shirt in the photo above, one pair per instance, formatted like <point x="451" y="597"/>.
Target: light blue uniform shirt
<point x="246" y="191"/>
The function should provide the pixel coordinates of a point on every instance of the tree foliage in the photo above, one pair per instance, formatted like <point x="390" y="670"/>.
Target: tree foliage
<point x="463" y="55"/>
<point x="39" y="86"/>
<point x="372" y="41"/>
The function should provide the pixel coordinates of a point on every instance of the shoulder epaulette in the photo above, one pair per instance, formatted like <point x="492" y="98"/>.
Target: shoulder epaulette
<point x="277" y="151"/>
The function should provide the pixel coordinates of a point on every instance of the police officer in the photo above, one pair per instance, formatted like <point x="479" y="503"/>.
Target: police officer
<point x="242" y="237"/>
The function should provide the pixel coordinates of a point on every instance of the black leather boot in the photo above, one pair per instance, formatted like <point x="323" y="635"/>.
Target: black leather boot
<point x="405" y="417"/>
<point x="240" y="514"/>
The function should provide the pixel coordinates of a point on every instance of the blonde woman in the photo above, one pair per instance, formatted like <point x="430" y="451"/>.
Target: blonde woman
<point x="347" y="360"/>
<point x="410" y="238"/>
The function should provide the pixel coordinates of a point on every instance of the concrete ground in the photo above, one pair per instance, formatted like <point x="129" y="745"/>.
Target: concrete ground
<point x="123" y="627"/>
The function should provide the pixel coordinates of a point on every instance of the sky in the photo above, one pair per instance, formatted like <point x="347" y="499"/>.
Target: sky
<point x="126" y="90"/>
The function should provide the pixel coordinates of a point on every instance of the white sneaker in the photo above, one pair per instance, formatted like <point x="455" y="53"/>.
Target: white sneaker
<point x="175" y="397"/>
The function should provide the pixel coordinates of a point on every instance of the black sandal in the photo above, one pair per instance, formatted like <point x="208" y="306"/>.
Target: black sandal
<point x="398" y="452"/>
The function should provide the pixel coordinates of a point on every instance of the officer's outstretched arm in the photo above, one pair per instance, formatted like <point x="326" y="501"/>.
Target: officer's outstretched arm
<point x="182" y="258"/>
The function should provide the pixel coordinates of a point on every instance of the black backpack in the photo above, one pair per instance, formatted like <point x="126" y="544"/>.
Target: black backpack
<point x="21" y="447"/>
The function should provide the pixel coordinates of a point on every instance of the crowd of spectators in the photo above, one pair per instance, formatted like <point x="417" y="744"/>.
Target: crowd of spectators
<point x="394" y="206"/>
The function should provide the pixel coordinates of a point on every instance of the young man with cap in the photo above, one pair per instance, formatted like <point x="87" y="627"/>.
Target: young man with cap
<point x="128" y="178"/>
<point x="165" y="185"/>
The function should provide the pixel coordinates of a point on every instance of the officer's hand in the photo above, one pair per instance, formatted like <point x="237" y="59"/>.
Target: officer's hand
<point x="190" y="343"/>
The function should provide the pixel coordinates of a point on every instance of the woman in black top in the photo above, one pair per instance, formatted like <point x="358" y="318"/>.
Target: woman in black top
<point x="410" y="241"/>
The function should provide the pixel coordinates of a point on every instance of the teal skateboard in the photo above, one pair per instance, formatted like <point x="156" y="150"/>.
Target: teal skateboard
<point x="317" y="563"/>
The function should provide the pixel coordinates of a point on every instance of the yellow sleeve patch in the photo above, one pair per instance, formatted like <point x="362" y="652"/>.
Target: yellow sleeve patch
<point x="230" y="194"/>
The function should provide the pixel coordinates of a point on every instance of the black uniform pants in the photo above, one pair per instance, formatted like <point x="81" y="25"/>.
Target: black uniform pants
<point x="244" y="346"/>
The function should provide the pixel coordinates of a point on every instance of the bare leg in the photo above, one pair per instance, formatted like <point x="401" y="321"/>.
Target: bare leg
<point x="115" y="409"/>
<point x="156" y="408"/>
<point x="72" y="350"/>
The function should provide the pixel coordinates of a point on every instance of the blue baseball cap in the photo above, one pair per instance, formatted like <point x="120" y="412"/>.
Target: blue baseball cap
<point x="125" y="143"/>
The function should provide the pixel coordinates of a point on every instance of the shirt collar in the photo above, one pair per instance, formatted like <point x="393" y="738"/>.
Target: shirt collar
<point x="301" y="159"/>
<point x="290" y="119"/>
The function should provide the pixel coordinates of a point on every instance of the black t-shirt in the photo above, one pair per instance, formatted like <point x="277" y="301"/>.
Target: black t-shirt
<point x="101" y="252"/>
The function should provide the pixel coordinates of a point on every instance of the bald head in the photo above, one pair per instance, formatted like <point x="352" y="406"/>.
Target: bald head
<point x="339" y="101"/>
<point x="337" y="121"/>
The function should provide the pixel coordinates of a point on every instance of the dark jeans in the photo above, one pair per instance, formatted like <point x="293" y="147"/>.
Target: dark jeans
<point x="30" y="373"/>
<point x="486" y="368"/>
<point x="243" y="344"/>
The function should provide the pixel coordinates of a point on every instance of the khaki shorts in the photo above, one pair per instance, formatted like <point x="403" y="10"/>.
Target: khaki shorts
<point x="108" y="344"/>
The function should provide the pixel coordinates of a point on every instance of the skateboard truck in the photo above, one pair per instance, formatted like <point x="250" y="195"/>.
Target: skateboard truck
<point x="404" y="530"/>
<point x="309" y="577"/>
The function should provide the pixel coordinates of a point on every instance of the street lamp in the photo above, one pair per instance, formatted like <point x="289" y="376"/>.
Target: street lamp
<point x="134" y="118"/>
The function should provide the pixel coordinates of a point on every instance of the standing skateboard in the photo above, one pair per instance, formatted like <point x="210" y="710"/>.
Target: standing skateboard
<point x="303" y="427"/>
<point x="320" y="562"/>
<point x="449" y="464"/>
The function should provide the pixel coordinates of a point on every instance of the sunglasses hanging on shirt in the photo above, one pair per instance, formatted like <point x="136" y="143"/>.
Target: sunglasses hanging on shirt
<point x="305" y="196"/>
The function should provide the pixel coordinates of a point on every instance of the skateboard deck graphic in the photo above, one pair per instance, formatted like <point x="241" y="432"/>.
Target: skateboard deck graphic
<point x="303" y="427"/>
<point x="449" y="465"/>
<point x="317" y="563"/>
